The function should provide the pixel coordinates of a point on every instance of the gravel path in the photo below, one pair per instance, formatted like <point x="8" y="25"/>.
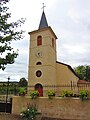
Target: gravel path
<point x="4" y="116"/>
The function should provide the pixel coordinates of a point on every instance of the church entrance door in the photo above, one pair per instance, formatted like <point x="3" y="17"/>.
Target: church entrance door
<point x="39" y="87"/>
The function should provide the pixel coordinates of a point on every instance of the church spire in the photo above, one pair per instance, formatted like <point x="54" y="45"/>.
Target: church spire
<point x="43" y="21"/>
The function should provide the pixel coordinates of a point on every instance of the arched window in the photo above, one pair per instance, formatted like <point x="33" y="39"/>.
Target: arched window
<point x="39" y="40"/>
<point x="38" y="63"/>
<point x="52" y="42"/>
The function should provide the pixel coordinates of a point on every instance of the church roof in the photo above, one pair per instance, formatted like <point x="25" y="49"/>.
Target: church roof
<point x="43" y="25"/>
<point x="69" y="68"/>
<point x="43" y="21"/>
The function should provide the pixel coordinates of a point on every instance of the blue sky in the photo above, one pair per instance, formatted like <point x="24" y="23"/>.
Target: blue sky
<point x="69" y="19"/>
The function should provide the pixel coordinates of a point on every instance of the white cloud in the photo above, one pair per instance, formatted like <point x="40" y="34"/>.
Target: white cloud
<point x="70" y="20"/>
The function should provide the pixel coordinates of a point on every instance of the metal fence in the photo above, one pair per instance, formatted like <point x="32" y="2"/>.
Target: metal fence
<point x="59" y="89"/>
<point x="11" y="89"/>
<point x="14" y="90"/>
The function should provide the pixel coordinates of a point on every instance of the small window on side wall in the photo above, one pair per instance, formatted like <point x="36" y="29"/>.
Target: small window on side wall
<point x="38" y="63"/>
<point x="39" y="40"/>
<point x="52" y="42"/>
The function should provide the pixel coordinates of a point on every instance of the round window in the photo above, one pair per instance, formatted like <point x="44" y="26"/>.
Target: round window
<point x="38" y="73"/>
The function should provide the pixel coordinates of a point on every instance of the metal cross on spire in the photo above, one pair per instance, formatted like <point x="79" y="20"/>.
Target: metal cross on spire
<point x="43" y="6"/>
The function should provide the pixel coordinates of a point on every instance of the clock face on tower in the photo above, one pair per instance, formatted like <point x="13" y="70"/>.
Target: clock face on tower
<point x="39" y="53"/>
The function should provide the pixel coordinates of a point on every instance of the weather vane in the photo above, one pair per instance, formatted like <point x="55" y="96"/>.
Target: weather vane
<point x="43" y="6"/>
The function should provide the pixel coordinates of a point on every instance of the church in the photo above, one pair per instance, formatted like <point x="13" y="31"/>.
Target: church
<point x="44" y="71"/>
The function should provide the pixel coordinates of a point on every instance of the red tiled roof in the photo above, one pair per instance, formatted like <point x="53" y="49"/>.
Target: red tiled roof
<point x="83" y="82"/>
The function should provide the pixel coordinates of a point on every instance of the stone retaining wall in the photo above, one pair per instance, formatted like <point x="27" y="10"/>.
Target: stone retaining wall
<point x="65" y="108"/>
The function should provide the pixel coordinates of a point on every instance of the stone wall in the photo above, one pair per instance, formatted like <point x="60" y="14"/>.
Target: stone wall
<point x="65" y="108"/>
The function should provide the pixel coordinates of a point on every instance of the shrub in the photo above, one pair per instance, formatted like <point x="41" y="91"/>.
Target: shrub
<point x="84" y="94"/>
<point x="67" y="93"/>
<point x="22" y="91"/>
<point x="30" y="113"/>
<point x="34" y="94"/>
<point x="51" y="94"/>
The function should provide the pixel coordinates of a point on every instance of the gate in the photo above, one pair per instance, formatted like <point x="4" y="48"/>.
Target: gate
<point x="6" y="106"/>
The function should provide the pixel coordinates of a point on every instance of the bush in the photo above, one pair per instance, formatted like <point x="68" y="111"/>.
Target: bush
<point x="50" y="94"/>
<point x="67" y="93"/>
<point x="34" y="94"/>
<point x="22" y="91"/>
<point x="84" y="94"/>
<point x="30" y="113"/>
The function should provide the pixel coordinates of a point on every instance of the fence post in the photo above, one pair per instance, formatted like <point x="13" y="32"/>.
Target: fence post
<point x="7" y="94"/>
<point x="71" y="85"/>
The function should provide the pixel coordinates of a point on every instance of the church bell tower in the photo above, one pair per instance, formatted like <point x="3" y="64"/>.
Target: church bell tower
<point x="42" y="57"/>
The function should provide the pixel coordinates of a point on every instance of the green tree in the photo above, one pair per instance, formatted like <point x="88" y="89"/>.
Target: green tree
<point x="23" y="82"/>
<point x="83" y="72"/>
<point x="8" y="33"/>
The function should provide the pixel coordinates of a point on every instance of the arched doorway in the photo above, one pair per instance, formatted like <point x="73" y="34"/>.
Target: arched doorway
<point x="39" y="87"/>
